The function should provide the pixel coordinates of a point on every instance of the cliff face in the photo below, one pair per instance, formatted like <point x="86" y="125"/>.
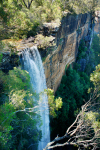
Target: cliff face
<point x="67" y="39"/>
<point x="97" y="26"/>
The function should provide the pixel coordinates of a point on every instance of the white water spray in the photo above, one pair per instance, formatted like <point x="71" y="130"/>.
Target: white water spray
<point x="33" y="64"/>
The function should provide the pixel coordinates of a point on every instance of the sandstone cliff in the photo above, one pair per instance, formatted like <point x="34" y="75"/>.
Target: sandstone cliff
<point x="67" y="39"/>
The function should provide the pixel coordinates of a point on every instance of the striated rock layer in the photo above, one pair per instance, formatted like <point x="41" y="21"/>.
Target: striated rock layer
<point x="67" y="39"/>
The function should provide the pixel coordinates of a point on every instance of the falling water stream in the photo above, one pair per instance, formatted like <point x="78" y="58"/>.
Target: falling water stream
<point x="33" y="64"/>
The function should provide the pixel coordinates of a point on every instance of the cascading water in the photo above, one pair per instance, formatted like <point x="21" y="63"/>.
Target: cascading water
<point x="33" y="64"/>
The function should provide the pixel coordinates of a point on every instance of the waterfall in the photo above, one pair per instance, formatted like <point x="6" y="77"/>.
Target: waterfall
<point x="33" y="64"/>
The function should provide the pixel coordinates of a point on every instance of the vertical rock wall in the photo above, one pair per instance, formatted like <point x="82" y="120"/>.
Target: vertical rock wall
<point x="68" y="36"/>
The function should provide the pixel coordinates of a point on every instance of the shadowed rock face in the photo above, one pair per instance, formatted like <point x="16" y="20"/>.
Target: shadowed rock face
<point x="68" y="36"/>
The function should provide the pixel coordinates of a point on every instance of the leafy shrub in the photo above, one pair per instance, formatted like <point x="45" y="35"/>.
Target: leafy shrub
<point x="44" y="41"/>
<point x="54" y="104"/>
<point x="22" y="22"/>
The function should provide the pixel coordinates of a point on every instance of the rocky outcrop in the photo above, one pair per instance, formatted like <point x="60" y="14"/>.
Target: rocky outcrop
<point x="67" y="39"/>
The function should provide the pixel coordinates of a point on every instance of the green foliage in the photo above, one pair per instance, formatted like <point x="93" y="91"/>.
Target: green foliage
<point x="21" y="22"/>
<point x="18" y="121"/>
<point x="3" y="14"/>
<point x="73" y="91"/>
<point x="39" y="2"/>
<point x="95" y="76"/>
<point x="93" y="118"/>
<point x="20" y="19"/>
<point x="17" y="21"/>
<point x="94" y="57"/>
<point x="1" y="55"/>
<point x="1" y="46"/>
<point x="52" y="11"/>
<point x="34" y="29"/>
<point x="93" y="115"/>
<point x="80" y="6"/>
<point x="44" y="41"/>
<point x="81" y="50"/>
<point x="96" y="48"/>
<point x="54" y="104"/>
<point x="96" y="42"/>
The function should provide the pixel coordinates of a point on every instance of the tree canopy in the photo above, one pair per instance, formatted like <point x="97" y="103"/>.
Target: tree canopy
<point x="23" y="18"/>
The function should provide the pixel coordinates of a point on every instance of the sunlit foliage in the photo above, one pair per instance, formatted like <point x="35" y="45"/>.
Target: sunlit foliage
<point x="95" y="76"/>
<point x="22" y="18"/>
<point x="54" y="104"/>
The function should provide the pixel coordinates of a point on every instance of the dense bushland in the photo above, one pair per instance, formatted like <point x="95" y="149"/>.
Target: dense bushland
<point x="22" y="18"/>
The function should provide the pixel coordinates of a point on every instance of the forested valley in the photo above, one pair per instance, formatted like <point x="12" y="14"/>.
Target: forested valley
<point x="77" y="97"/>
